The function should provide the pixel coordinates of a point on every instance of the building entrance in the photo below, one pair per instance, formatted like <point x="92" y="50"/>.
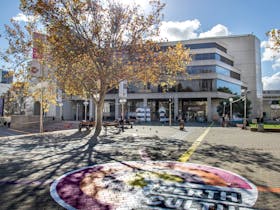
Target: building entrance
<point x="194" y="110"/>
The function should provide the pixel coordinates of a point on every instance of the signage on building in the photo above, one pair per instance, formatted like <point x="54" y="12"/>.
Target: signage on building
<point x="123" y="89"/>
<point x="35" y="69"/>
<point x="153" y="185"/>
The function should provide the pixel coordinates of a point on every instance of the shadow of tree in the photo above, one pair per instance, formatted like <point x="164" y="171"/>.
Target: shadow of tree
<point x="30" y="164"/>
<point x="249" y="163"/>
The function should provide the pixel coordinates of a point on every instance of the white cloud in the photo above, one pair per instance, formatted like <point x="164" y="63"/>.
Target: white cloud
<point x="270" y="54"/>
<point x="217" y="30"/>
<point x="142" y="3"/>
<point x="271" y="83"/>
<point x="174" y="31"/>
<point x="189" y="29"/>
<point x="23" y="18"/>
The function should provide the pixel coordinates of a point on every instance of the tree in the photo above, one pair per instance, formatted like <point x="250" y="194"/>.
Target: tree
<point x="274" y="36"/>
<point x="237" y="107"/>
<point x="15" y="98"/>
<point x="24" y="51"/>
<point x="97" y="44"/>
<point x="225" y="90"/>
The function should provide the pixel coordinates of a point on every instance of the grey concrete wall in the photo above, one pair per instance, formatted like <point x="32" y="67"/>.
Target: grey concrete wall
<point x="23" y="121"/>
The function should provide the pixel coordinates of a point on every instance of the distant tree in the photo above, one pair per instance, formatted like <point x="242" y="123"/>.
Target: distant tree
<point x="225" y="90"/>
<point x="237" y="107"/>
<point x="15" y="98"/>
<point x="274" y="36"/>
<point x="23" y="50"/>
<point x="94" y="45"/>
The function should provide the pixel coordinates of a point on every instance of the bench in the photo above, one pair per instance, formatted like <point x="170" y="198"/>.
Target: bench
<point x="108" y="124"/>
<point x="86" y="124"/>
<point x="118" y="124"/>
<point x="89" y="124"/>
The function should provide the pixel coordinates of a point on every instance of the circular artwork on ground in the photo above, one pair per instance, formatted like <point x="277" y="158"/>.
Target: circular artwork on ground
<point x="153" y="185"/>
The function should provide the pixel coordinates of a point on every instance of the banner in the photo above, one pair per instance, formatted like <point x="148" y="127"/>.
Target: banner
<point x="35" y="69"/>
<point x="39" y="40"/>
<point x="123" y="89"/>
<point x="1" y="107"/>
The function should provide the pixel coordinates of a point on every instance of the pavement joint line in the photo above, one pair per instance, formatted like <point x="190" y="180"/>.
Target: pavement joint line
<point x="186" y="156"/>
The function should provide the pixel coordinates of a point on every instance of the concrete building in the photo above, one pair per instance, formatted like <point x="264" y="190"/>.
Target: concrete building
<point x="221" y="68"/>
<point x="271" y="104"/>
<point x="5" y="84"/>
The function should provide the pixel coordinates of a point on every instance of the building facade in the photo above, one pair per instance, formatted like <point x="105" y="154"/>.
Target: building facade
<point x="271" y="104"/>
<point x="221" y="67"/>
<point x="5" y="84"/>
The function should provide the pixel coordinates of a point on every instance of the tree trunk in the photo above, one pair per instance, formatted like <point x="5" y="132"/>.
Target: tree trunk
<point x="98" y="126"/>
<point x="41" y="114"/>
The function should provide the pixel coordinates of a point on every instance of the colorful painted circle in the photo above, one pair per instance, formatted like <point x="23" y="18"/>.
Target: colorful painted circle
<point x="34" y="70"/>
<point x="153" y="185"/>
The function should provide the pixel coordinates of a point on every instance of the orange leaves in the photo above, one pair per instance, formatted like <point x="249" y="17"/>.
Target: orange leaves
<point x="274" y="35"/>
<point x="94" y="41"/>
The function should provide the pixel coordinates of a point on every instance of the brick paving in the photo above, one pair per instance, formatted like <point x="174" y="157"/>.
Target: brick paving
<point x="30" y="163"/>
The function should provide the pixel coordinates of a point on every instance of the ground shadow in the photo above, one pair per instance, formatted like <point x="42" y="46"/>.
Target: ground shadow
<point x="30" y="164"/>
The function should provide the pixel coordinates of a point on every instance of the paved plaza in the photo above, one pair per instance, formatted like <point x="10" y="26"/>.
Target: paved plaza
<point x="31" y="163"/>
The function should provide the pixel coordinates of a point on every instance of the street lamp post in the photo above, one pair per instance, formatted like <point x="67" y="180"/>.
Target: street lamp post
<point x="77" y="112"/>
<point x="224" y="108"/>
<point x="85" y="103"/>
<point x="230" y="106"/>
<point x="244" y="91"/>
<point x="122" y="101"/>
<point x="170" y="120"/>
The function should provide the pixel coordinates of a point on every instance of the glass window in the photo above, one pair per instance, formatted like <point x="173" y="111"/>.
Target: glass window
<point x="226" y="60"/>
<point x="205" y="85"/>
<point x="5" y="78"/>
<point x="205" y="46"/>
<point x="223" y="71"/>
<point x="235" y="75"/>
<point x="223" y="86"/>
<point x="208" y="69"/>
<point x="212" y="56"/>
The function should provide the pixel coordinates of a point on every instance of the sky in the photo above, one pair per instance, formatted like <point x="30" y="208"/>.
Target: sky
<point x="189" y="19"/>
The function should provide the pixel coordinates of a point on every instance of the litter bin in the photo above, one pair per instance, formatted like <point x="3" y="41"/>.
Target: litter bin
<point x="181" y="125"/>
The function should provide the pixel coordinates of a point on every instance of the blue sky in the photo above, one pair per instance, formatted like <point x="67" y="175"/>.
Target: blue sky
<point x="185" y="19"/>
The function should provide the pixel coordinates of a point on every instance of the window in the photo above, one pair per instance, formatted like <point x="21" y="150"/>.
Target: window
<point x="212" y="56"/>
<point x="208" y="69"/>
<point x="224" y="85"/>
<point x="5" y="78"/>
<point x="234" y="75"/>
<point x="205" y="85"/>
<point x="205" y="46"/>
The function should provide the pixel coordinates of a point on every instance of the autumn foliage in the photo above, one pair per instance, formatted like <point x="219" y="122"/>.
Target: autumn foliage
<point x="94" y="45"/>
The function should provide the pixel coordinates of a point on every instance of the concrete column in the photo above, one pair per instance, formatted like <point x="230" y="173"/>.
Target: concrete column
<point x="117" y="105"/>
<point x="90" y="109"/>
<point x="52" y="111"/>
<point x="69" y="110"/>
<point x="29" y="106"/>
<point x="145" y="102"/>
<point x="176" y="108"/>
<point x="209" y="109"/>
